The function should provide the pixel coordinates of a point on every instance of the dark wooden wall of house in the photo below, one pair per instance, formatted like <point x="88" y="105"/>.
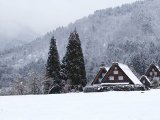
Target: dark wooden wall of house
<point x="120" y="73"/>
<point x="150" y="70"/>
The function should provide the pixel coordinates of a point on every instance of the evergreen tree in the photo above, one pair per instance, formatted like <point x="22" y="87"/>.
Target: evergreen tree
<point x="73" y="67"/>
<point x="63" y="71"/>
<point x="53" y="63"/>
<point x="53" y="66"/>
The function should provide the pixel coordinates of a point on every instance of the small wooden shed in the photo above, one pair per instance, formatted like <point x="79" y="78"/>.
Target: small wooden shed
<point x="153" y="72"/>
<point x="145" y="81"/>
<point x="101" y="73"/>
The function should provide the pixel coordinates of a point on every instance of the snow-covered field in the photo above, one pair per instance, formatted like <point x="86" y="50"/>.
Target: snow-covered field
<point x="82" y="106"/>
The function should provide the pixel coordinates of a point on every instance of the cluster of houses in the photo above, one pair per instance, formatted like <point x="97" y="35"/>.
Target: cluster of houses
<point x="121" y="75"/>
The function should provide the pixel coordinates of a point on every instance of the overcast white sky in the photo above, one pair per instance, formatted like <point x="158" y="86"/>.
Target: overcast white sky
<point x="45" y="15"/>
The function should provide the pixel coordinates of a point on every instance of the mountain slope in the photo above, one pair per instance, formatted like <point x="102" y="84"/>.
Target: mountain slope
<point x="127" y="34"/>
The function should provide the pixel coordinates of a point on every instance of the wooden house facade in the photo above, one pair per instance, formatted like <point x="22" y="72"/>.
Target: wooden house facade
<point x="153" y="72"/>
<point x="120" y="74"/>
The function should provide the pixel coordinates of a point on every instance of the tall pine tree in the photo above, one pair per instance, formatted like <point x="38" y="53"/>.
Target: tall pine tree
<point x="53" y="63"/>
<point x="53" y="67"/>
<point x="73" y="66"/>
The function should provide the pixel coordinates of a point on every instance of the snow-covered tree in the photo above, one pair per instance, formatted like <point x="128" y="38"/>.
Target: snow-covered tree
<point x="73" y="62"/>
<point x="53" y="63"/>
<point x="63" y="71"/>
<point x="19" y="88"/>
<point x="53" y="66"/>
<point x="35" y="84"/>
<point x="155" y="82"/>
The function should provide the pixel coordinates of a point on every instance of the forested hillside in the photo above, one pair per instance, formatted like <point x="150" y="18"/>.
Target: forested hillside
<point x="128" y="34"/>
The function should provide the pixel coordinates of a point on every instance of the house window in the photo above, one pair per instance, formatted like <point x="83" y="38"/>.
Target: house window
<point x="143" y="81"/>
<point x="116" y="72"/>
<point x="155" y="73"/>
<point x="151" y="73"/>
<point x="111" y="78"/>
<point x="120" y="77"/>
<point x="115" y="68"/>
<point x="152" y="69"/>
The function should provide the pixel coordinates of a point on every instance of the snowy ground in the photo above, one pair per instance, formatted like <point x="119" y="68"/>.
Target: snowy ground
<point x="83" y="106"/>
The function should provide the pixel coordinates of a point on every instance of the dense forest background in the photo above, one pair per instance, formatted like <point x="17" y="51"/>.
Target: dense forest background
<point x="128" y="34"/>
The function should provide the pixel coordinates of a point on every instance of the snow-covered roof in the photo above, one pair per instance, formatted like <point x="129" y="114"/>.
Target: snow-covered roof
<point x="122" y="83"/>
<point x="155" y="66"/>
<point x="105" y="67"/>
<point x="129" y="73"/>
<point x="158" y="67"/>
<point x="143" y="76"/>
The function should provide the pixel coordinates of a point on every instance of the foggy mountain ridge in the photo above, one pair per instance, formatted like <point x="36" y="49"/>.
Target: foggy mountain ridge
<point x="127" y="34"/>
<point x="15" y="35"/>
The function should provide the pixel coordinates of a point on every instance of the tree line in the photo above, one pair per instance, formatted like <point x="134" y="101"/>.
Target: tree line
<point x="69" y="75"/>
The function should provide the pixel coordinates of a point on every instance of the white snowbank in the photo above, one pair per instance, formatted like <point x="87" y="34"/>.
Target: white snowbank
<point x="83" y="106"/>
